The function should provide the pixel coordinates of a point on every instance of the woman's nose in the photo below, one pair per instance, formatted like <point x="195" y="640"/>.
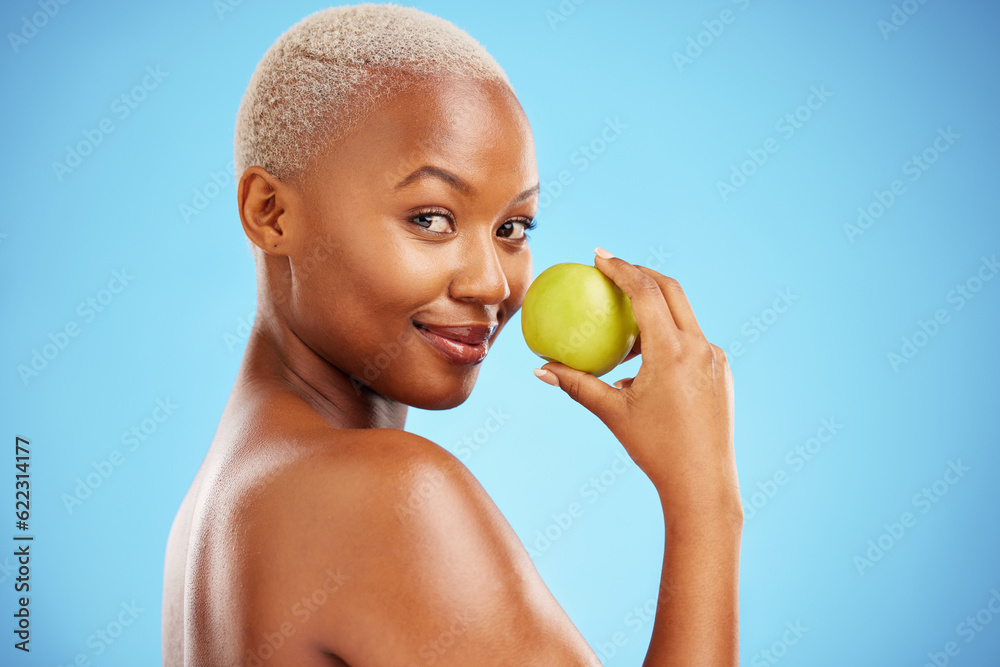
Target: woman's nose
<point x="480" y="276"/>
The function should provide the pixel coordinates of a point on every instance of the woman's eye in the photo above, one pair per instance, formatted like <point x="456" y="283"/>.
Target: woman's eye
<point x="428" y="220"/>
<point x="440" y="223"/>
<point x="509" y="228"/>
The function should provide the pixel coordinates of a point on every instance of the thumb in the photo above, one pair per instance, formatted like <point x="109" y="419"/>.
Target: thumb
<point x="587" y="390"/>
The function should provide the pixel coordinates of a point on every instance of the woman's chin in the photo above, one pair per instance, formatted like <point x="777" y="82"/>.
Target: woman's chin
<point x="443" y="394"/>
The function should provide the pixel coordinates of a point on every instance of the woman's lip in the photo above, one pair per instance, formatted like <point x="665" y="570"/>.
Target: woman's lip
<point x="456" y="352"/>
<point x="468" y="333"/>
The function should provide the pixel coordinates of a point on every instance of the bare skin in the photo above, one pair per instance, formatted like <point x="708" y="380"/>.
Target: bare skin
<point x="318" y="531"/>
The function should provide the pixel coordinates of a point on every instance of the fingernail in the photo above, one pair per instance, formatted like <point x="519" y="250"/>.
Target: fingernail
<point x="618" y="384"/>
<point x="546" y="377"/>
<point x="602" y="253"/>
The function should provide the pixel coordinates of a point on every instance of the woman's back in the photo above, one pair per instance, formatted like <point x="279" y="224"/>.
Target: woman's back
<point x="214" y="597"/>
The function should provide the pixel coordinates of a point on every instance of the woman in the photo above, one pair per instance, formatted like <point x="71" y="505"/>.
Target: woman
<point x="388" y="179"/>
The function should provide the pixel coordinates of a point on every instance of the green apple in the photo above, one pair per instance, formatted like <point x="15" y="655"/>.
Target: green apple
<point x="574" y="314"/>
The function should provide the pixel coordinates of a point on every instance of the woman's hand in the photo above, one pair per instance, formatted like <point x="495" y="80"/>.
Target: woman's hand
<point x="675" y="417"/>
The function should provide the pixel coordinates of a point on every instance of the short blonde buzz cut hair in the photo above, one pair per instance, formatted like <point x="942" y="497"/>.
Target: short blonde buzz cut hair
<point x="330" y="70"/>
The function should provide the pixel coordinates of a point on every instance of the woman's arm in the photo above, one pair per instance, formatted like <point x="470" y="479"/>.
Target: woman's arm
<point x="697" y="613"/>
<point x="675" y="419"/>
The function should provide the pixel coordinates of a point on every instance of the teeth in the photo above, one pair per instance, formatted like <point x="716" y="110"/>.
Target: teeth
<point x="454" y="340"/>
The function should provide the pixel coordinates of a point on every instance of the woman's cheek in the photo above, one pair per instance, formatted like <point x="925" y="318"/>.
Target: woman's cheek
<point x="519" y="279"/>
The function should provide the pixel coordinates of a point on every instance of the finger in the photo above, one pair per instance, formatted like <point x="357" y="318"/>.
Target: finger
<point x="588" y="391"/>
<point x="624" y="383"/>
<point x="656" y="325"/>
<point x="677" y="300"/>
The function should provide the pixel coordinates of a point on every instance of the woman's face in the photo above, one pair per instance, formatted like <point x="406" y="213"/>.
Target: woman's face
<point x="420" y="217"/>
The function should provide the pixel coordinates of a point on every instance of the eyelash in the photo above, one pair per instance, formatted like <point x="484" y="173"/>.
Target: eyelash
<point x="528" y="223"/>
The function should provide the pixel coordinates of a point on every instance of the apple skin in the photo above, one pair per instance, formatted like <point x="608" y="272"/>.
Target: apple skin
<point x="575" y="315"/>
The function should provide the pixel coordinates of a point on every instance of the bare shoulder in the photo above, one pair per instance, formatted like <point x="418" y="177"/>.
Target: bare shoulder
<point x="404" y="557"/>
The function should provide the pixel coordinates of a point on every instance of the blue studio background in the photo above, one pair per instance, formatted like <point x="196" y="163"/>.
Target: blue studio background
<point x="820" y="177"/>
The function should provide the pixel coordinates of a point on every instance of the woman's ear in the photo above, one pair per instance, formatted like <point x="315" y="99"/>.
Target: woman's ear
<point x="262" y="199"/>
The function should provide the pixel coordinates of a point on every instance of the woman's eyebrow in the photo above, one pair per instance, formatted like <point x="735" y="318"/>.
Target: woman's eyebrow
<point x="527" y="194"/>
<point x="430" y="171"/>
<point x="455" y="181"/>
